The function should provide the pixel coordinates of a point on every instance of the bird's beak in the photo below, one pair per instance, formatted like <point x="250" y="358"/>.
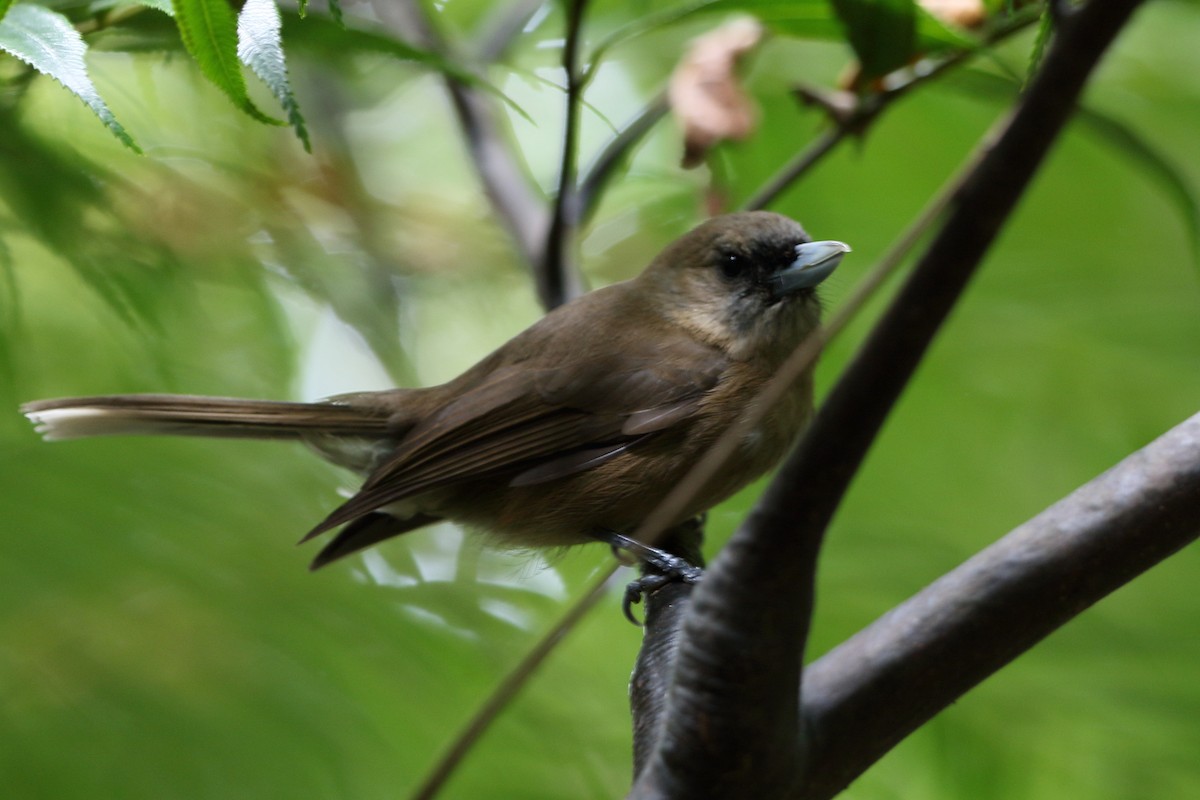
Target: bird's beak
<point x="814" y="263"/>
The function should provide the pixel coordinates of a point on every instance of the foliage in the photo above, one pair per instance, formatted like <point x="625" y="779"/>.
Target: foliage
<point x="160" y="637"/>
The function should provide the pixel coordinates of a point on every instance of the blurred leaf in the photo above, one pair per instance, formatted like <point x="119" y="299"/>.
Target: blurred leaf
<point x="335" y="11"/>
<point x="260" y="47"/>
<point x="1044" y="32"/>
<point x="360" y="291"/>
<point x="935" y="36"/>
<point x="802" y="19"/>
<point x="706" y="93"/>
<point x="791" y="17"/>
<point x="333" y="43"/>
<point x="49" y="43"/>
<point x="48" y="189"/>
<point x="1125" y="140"/>
<point x="161" y="5"/>
<point x="59" y="197"/>
<point x="1153" y="164"/>
<point x="883" y="33"/>
<point x="4" y="6"/>
<point x="10" y="319"/>
<point x="209" y="31"/>
<point x="141" y="33"/>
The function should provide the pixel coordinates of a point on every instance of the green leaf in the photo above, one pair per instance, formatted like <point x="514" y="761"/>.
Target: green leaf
<point x="324" y="38"/>
<point x="1117" y="134"/>
<point x="261" y="48"/>
<point x="4" y="6"/>
<point x="883" y="33"/>
<point x="209" y="32"/>
<point x="916" y="31"/>
<point x="1154" y="164"/>
<point x="46" y="41"/>
<point x="803" y="18"/>
<point x="164" y="6"/>
<point x="335" y="11"/>
<point x="1044" y="32"/>
<point x="935" y="36"/>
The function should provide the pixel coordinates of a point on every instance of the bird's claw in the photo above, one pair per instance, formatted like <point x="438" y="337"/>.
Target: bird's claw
<point x="648" y="584"/>
<point x="658" y="569"/>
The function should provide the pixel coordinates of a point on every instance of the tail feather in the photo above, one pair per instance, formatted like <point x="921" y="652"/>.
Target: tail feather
<point x="77" y="417"/>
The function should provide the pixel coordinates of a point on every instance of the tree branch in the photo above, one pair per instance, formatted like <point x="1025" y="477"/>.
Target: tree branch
<point x="735" y="686"/>
<point x="556" y="270"/>
<point x="886" y="681"/>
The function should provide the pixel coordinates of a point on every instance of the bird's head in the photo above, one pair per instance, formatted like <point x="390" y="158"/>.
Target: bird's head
<point x="745" y="282"/>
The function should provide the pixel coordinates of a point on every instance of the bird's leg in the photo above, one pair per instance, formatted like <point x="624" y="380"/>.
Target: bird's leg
<point x="659" y="567"/>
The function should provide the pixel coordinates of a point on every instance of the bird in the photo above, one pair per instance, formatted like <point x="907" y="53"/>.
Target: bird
<point x="573" y="430"/>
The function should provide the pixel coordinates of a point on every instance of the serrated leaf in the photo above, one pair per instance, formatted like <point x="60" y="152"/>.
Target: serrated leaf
<point x="46" y="41"/>
<point x="209" y="32"/>
<point x="160" y="5"/>
<point x="883" y="33"/>
<point x="261" y="48"/>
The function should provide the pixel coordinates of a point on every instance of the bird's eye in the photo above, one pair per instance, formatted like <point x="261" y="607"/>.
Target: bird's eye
<point x="732" y="265"/>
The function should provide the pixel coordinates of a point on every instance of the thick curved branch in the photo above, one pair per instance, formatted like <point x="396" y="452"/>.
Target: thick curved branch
<point x="873" y="690"/>
<point x="736" y="680"/>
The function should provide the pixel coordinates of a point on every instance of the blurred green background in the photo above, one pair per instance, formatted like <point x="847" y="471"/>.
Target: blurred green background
<point x="160" y="637"/>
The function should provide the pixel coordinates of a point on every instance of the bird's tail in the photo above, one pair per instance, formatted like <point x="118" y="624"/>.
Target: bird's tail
<point x="193" y="415"/>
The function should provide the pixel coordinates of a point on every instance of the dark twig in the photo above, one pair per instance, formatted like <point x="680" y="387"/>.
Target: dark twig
<point x="557" y="274"/>
<point x="715" y="714"/>
<point x="486" y="713"/>
<point x="876" y="688"/>
<point x="663" y="603"/>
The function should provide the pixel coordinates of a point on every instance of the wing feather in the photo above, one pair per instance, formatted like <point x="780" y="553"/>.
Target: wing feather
<point x="539" y="424"/>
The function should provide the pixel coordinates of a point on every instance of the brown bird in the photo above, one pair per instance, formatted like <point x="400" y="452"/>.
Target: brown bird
<point x="570" y="432"/>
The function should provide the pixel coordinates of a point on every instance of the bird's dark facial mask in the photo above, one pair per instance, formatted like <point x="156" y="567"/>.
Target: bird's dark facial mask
<point x="814" y="262"/>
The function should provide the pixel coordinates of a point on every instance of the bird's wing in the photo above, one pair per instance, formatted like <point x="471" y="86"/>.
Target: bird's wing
<point x="533" y="425"/>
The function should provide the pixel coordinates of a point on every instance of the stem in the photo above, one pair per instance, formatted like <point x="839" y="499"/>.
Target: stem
<point x="556" y="267"/>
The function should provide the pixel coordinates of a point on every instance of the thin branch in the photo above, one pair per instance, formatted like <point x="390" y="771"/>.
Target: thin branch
<point x="730" y="632"/>
<point x="557" y="271"/>
<point x="886" y="681"/>
<point x="507" y="689"/>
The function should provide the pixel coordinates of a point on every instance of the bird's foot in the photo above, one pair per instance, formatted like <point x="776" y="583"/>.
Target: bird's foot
<point x="659" y="569"/>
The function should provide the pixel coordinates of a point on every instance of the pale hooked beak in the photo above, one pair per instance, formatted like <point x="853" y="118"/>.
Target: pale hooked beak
<point x="814" y="263"/>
